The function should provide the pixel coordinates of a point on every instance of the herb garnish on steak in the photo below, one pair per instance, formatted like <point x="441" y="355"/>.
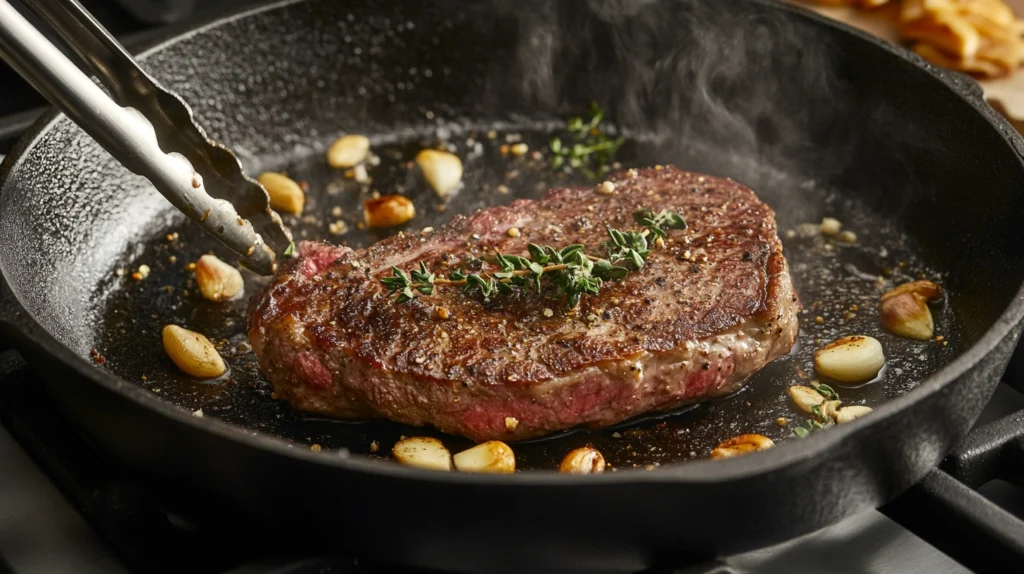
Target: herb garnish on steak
<point x="708" y="310"/>
<point x="573" y="272"/>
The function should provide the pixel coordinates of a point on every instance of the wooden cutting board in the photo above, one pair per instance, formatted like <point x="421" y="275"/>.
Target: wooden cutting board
<point x="1005" y="94"/>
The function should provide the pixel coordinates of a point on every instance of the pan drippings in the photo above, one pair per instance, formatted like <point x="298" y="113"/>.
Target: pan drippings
<point x="839" y="284"/>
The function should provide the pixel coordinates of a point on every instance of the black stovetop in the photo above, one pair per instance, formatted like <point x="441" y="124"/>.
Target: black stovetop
<point x="62" y="509"/>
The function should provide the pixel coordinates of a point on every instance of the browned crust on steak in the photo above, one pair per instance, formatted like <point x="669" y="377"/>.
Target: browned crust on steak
<point x="708" y="310"/>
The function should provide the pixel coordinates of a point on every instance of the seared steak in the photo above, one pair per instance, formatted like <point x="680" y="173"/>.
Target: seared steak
<point x="708" y="310"/>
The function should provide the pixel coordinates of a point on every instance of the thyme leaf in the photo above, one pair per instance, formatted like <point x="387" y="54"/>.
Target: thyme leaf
<point x="809" y="426"/>
<point x="658" y="222"/>
<point x="569" y="269"/>
<point x="816" y="423"/>
<point x="826" y="391"/>
<point x="588" y="147"/>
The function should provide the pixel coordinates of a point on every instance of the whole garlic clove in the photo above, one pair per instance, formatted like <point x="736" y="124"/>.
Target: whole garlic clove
<point x="285" y="194"/>
<point x="348" y="151"/>
<point x="847" y="414"/>
<point x="442" y="170"/>
<point x="217" y="280"/>
<point x="423" y="452"/>
<point x="853" y="359"/>
<point x="492" y="457"/>
<point x="904" y="310"/>
<point x="908" y="316"/>
<point x="388" y="211"/>
<point x="192" y="352"/>
<point x="805" y="398"/>
<point x="831" y="226"/>
<point x="585" y="460"/>
<point x="742" y="444"/>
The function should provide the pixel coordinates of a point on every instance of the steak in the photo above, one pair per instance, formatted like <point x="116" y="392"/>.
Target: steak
<point x="709" y="308"/>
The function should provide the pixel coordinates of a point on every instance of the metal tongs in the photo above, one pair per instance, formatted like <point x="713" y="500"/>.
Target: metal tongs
<point x="149" y="129"/>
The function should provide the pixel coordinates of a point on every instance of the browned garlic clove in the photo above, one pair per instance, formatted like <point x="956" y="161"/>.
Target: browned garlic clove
<point x="904" y="310"/>
<point x="217" y="280"/>
<point x="853" y="359"/>
<point x="388" y="211"/>
<point x="285" y="195"/>
<point x="192" y="352"/>
<point x="423" y="452"/>
<point x="805" y="398"/>
<point x="742" y="444"/>
<point x="491" y="457"/>
<point x="585" y="460"/>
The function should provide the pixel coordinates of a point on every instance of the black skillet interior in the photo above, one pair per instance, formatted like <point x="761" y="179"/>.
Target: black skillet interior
<point x="818" y="123"/>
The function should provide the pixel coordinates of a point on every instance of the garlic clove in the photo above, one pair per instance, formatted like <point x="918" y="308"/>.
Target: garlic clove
<point x="442" y="170"/>
<point x="217" y="280"/>
<point x="853" y="359"/>
<point x="847" y="414"/>
<point x="928" y="290"/>
<point x="348" y="151"/>
<point x="285" y="194"/>
<point x="742" y="444"/>
<point x="830" y="410"/>
<point x="388" y="211"/>
<point x="423" y="452"/>
<point x="847" y="237"/>
<point x="830" y="226"/>
<point x="585" y="460"/>
<point x="805" y="398"/>
<point x="492" y="457"/>
<point x="904" y="310"/>
<point x="907" y="315"/>
<point x="192" y="352"/>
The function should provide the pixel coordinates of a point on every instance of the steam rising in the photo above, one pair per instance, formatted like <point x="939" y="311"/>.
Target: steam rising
<point x="733" y="88"/>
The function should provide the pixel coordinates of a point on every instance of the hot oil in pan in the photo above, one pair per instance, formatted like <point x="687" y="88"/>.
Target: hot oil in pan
<point x="839" y="282"/>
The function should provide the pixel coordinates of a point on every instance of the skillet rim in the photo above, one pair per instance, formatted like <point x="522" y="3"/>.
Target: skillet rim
<point x="695" y="472"/>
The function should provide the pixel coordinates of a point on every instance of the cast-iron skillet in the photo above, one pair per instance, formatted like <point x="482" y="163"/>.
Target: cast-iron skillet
<point x="820" y="120"/>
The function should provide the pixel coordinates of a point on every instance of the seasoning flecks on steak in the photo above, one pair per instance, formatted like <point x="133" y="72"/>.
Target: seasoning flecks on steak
<point x="708" y="310"/>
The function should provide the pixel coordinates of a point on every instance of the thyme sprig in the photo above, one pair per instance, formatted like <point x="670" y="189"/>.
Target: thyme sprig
<point x="810" y="425"/>
<point x="570" y="270"/>
<point x="588" y="149"/>
<point x="826" y="391"/>
<point x="632" y="246"/>
<point x="628" y="246"/>
<point x="657" y="222"/>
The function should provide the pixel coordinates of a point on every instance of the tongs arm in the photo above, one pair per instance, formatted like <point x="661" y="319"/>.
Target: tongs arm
<point x="98" y="52"/>
<point x="154" y="135"/>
